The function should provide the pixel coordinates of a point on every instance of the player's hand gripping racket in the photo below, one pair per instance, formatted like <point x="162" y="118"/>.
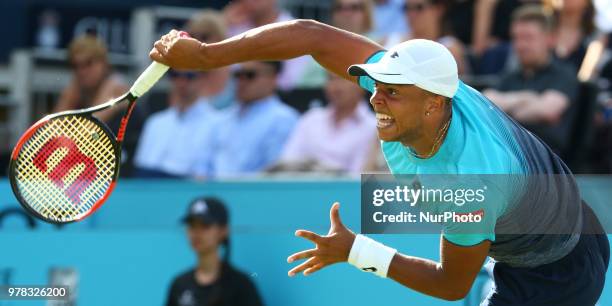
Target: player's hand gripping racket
<point x="65" y="166"/>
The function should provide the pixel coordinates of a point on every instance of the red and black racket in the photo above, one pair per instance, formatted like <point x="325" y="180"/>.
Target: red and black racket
<point x="65" y="166"/>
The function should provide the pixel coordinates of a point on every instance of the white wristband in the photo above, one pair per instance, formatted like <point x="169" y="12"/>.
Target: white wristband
<point x="371" y="256"/>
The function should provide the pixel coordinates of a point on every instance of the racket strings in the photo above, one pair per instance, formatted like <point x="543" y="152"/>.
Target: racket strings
<point x="66" y="166"/>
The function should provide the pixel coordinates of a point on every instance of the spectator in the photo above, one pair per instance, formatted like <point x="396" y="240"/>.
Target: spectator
<point x="93" y="81"/>
<point x="213" y="281"/>
<point x="485" y="26"/>
<point x="351" y="15"/>
<point x="388" y="18"/>
<point x="426" y="19"/>
<point x="538" y="94"/>
<point x="253" y="132"/>
<point x="243" y="15"/>
<point x="216" y="86"/>
<point x="173" y="141"/>
<point x="574" y="31"/>
<point x="337" y="137"/>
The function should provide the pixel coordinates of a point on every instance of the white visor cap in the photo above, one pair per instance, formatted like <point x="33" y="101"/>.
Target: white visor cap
<point x="420" y="62"/>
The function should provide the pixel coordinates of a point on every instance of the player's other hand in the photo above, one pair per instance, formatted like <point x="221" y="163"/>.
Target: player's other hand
<point x="329" y="249"/>
<point x="179" y="51"/>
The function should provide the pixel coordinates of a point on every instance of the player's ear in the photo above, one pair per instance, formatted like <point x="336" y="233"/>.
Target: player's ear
<point x="434" y="103"/>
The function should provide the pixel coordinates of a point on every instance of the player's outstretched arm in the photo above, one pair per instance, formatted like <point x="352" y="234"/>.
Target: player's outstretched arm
<point x="333" y="48"/>
<point x="450" y="279"/>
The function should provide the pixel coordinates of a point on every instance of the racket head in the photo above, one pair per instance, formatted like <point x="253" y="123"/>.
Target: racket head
<point x="64" y="167"/>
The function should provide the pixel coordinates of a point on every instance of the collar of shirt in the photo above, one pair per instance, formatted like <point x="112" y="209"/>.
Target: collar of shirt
<point x="200" y="107"/>
<point x="254" y="107"/>
<point x="534" y="73"/>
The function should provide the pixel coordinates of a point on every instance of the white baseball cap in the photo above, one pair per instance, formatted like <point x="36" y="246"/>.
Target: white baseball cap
<point x="420" y="62"/>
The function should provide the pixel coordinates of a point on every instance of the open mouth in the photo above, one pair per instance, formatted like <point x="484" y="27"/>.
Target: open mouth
<point x="384" y="121"/>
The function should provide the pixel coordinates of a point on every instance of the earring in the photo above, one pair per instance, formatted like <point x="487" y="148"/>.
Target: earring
<point x="427" y="114"/>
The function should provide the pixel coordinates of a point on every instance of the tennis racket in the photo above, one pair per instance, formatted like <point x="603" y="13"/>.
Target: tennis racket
<point x="65" y="166"/>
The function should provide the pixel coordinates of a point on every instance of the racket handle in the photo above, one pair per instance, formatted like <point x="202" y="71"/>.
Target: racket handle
<point x="148" y="78"/>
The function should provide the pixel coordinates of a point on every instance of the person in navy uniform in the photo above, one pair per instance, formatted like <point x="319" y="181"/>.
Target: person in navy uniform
<point x="213" y="281"/>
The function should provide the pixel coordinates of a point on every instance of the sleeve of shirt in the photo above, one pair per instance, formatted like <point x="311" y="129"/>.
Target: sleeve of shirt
<point x="367" y="82"/>
<point x="566" y="83"/>
<point x="471" y="233"/>
<point x="557" y="135"/>
<point x="462" y="233"/>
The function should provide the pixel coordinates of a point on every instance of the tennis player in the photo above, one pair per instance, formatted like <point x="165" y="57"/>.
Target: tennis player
<point x="431" y="122"/>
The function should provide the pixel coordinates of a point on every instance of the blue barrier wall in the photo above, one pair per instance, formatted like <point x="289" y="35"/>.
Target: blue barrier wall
<point x="128" y="252"/>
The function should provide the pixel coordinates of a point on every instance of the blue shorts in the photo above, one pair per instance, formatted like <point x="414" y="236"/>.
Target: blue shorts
<point x="574" y="280"/>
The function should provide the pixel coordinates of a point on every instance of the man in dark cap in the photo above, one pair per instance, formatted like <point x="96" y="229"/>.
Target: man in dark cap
<point x="213" y="281"/>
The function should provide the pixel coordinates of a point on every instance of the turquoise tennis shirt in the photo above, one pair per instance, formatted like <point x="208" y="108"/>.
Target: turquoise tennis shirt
<point x="534" y="193"/>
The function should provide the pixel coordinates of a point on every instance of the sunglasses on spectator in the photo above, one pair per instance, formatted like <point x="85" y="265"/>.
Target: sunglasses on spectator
<point x="353" y="7"/>
<point x="182" y="74"/>
<point x="415" y="7"/>
<point x="246" y="74"/>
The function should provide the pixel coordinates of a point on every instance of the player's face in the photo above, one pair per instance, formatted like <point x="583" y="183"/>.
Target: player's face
<point x="342" y="93"/>
<point x="255" y="80"/>
<point x="399" y="111"/>
<point x="205" y="238"/>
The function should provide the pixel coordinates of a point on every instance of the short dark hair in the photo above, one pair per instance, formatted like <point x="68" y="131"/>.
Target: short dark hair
<point x="277" y="66"/>
<point x="535" y="13"/>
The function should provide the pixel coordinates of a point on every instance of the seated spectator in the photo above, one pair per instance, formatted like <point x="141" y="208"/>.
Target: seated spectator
<point x="388" y="18"/>
<point x="540" y="93"/>
<point x="252" y="133"/>
<point x="216" y="86"/>
<point x="213" y="280"/>
<point x="485" y="26"/>
<point x="338" y="136"/>
<point x="243" y="15"/>
<point x="574" y="31"/>
<point x="173" y="141"/>
<point x="426" y="19"/>
<point x="351" y="15"/>
<point x="93" y="81"/>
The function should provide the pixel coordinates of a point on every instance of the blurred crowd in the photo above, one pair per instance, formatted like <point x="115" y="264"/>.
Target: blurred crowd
<point x="545" y="63"/>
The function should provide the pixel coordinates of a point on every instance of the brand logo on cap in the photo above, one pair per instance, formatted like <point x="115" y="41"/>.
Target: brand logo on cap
<point x="394" y="55"/>
<point x="199" y="207"/>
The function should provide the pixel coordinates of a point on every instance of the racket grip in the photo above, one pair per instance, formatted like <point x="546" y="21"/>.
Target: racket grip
<point x="148" y="78"/>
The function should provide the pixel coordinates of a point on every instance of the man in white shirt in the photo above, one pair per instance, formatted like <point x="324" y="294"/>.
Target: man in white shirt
<point x="338" y="136"/>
